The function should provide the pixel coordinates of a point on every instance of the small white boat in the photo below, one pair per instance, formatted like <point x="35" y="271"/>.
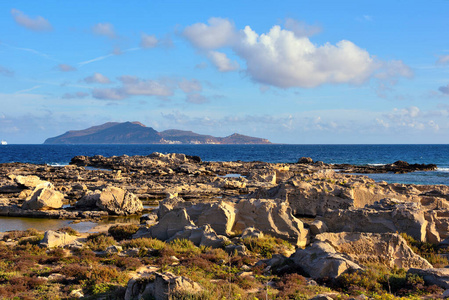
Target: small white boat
<point x="4" y="142"/>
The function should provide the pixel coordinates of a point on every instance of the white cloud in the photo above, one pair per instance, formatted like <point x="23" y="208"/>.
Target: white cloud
<point x="443" y="60"/>
<point x="35" y="24"/>
<point x="222" y="62"/>
<point x="97" y="78"/>
<point x="148" y="41"/>
<point x="287" y="58"/>
<point x="6" y="72"/>
<point x="196" y="98"/>
<point x="76" y="95"/>
<point x="109" y="94"/>
<point x="66" y="68"/>
<point x="393" y="68"/>
<point x="219" y="33"/>
<point x="281" y="59"/>
<point x="105" y="29"/>
<point x="189" y="86"/>
<point x="134" y="86"/>
<point x="444" y="89"/>
<point x="301" y="29"/>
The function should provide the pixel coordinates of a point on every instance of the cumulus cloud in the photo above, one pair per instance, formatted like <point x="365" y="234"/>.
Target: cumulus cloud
<point x="287" y="58"/>
<point x="281" y="59"/>
<point x="218" y="33"/>
<point x="134" y="86"/>
<point x="77" y="95"/>
<point x="444" y="89"/>
<point x="66" y="68"/>
<point x="36" y="24"/>
<point x="105" y="29"/>
<point x="148" y="41"/>
<point x="301" y="29"/>
<point x="443" y="60"/>
<point x="6" y="72"/>
<point x="222" y="62"/>
<point x="97" y="78"/>
<point x="190" y="86"/>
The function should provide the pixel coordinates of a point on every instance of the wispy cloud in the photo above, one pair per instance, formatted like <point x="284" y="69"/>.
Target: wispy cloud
<point x="94" y="60"/>
<point x="41" y="54"/>
<point x="80" y="64"/>
<point x="6" y="72"/>
<point x="28" y="90"/>
<point x="36" y="24"/>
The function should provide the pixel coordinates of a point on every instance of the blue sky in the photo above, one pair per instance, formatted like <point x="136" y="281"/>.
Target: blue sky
<point x="298" y="72"/>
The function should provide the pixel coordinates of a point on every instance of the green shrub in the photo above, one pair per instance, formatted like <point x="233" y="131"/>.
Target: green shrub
<point x="68" y="230"/>
<point x="123" y="232"/>
<point x="427" y="250"/>
<point x="267" y="246"/>
<point x="99" y="241"/>
<point x="143" y="243"/>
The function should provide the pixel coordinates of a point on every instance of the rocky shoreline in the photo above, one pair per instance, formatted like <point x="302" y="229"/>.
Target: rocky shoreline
<point x="336" y="224"/>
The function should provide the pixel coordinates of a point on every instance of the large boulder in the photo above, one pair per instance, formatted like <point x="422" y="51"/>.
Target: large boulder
<point x="385" y="216"/>
<point x="437" y="276"/>
<point x="89" y="200"/>
<point x="220" y="216"/>
<point x="271" y="217"/>
<point x="171" y="223"/>
<point x="164" y="287"/>
<point x="321" y="260"/>
<point x="119" y="202"/>
<point x="389" y="249"/>
<point x="30" y="181"/>
<point x="54" y="239"/>
<point x="44" y="199"/>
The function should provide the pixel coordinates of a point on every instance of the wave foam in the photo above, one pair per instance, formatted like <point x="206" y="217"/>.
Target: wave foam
<point x="443" y="169"/>
<point x="376" y="165"/>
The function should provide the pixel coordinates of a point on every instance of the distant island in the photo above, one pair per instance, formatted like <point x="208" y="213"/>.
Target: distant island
<point x="137" y="133"/>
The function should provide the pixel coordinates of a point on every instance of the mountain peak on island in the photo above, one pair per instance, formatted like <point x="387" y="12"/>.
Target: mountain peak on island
<point x="137" y="133"/>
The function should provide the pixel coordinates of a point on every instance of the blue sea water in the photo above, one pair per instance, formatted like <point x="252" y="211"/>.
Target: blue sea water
<point x="351" y="154"/>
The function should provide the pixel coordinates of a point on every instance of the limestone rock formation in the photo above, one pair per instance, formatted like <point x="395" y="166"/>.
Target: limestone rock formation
<point x="437" y="276"/>
<point x="271" y="217"/>
<point x="380" y="218"/>
<point x="389" y="249"/>
<point x="321" y="260"/>
<point x="168" y="226"/>
<point x="43" y="199"/>
<point x="30" y="181"/>
<point x="200" y="236"/>
<point x="164" y="287"/>
<point x="113" y="200"/>
<point x="54" y="239"/>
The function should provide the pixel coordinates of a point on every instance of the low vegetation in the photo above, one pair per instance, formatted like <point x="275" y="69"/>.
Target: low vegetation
<point x="30" y="272"/>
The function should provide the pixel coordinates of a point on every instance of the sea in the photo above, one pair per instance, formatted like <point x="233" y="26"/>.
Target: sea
<point x="60" y="155"/>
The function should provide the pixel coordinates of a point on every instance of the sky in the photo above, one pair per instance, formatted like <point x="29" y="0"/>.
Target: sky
<point x="294" y="72"/>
